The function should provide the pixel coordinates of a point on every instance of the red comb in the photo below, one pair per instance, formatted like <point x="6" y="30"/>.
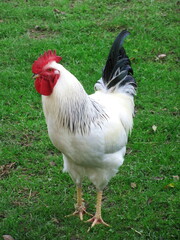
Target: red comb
<point x="44" y="59"/>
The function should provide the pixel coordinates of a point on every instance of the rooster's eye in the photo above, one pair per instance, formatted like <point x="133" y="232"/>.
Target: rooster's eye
<point x="49" y="70"/>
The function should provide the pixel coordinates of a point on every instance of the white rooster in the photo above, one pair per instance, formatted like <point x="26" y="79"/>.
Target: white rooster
<point x="90" y="130"/>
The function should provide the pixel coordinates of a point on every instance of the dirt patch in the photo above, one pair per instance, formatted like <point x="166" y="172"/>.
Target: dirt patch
<point x="39" y="33"/>
<point x="6" y="169"/>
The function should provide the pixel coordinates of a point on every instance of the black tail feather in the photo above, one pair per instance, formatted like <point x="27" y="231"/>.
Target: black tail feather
<point x="117" y="70"/>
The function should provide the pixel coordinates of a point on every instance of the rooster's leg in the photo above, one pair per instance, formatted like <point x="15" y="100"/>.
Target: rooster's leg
<point x="80" y="208"/>
<point x="97" y="219"/>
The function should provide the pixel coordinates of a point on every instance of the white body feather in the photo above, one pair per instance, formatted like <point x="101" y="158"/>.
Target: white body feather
<point x="99" y="152"/>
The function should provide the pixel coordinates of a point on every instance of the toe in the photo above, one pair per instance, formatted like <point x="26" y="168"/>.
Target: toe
<point x="97" y="220"/>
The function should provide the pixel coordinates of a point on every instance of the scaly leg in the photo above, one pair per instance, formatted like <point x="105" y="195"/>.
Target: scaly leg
<point x="80" y="208"/>
<point x="97" y="219"/>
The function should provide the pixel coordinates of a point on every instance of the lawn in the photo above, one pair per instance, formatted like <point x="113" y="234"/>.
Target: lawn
<point x="141" y="201"/>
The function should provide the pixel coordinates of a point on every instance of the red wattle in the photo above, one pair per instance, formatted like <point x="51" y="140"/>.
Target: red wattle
<point x="45" y="86"/>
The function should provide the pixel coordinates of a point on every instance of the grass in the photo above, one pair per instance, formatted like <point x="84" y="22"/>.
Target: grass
<point x="141" y="202"/>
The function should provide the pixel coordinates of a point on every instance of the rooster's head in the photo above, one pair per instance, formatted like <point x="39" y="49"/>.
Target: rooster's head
<point x="46" y="76"/>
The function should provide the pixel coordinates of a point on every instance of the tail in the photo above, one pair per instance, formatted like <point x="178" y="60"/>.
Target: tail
<point x="117" y="75"/>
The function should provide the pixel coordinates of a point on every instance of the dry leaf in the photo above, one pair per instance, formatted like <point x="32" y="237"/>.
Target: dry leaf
<point x="154" y="128"/>
<point x="161" y="56"/>
<point x="158" y="178"/>
<point x="176" y="178"/>
<point x="132" y="58"/>
<point x="149" y="201"/>
<point x="133" y="185"/>
<point x="57" y="10"/>
<point x="171" y="185"/>
<point x="52" y="164"/>
<point x="55" y="220"/>
<point x="7" y="237"/>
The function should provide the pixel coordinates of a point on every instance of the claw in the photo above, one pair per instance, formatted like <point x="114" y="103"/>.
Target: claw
<point x="96" y="220"/>
<point x="79" y="210"/>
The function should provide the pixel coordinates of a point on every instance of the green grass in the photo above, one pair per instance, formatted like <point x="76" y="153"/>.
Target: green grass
<point x="35" y="194"/>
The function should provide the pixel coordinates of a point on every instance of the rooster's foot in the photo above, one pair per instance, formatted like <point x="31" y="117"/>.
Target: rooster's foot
<point x="97" y="220"/>
<point x="79" y="210"/>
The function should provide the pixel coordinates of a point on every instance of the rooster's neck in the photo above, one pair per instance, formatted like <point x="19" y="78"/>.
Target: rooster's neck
<point x="71" y="108"/>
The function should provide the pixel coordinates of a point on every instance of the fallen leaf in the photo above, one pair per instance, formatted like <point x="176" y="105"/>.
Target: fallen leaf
<point x="7" y="237"/>
<point x="161" y="56"/>
<point x="132" y="58"/>
<point x="170" y="185"/>
<point x="55" y="220"/>
<point x="149" y="201"/>
<point x="176" y="178"/>
<point x="52" y="164"/>
<point x="154" y="128"/>
<point x="56" y="10"/>
<point x="133" y="185"/>
<point x="158" y="178"/>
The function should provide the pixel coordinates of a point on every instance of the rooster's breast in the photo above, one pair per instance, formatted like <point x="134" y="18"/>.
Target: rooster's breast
<point x="100" y="146"/>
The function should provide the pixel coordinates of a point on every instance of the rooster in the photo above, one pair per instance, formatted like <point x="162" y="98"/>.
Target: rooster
<point x="91" y="131"/>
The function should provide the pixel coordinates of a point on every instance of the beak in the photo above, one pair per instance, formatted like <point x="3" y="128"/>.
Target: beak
<point x="35" y="76"/>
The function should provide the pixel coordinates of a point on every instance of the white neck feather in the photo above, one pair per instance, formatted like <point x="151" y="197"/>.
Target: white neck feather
<point x="70" y="105"/>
